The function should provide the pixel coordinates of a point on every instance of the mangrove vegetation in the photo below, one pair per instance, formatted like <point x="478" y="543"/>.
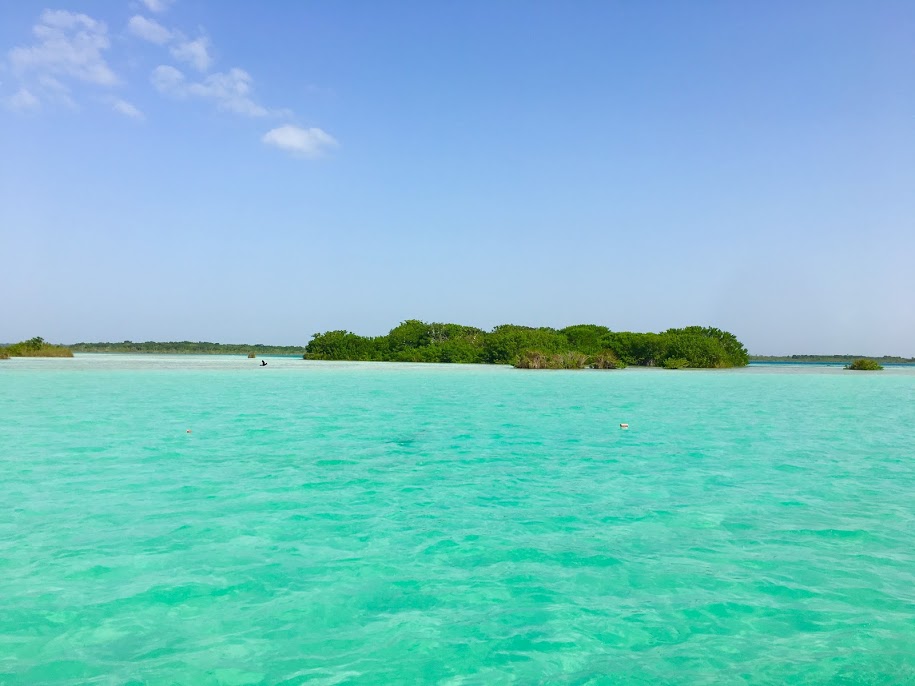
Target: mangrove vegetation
<point x="34" y="347"/>
<point x="574" y="347"/>
<point x="865" y="365"/>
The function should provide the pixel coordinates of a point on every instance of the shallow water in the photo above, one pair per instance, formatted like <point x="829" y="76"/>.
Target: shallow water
<point x="380" y="523"/>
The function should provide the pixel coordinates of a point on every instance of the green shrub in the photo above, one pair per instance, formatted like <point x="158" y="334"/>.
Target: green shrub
<point x="588" y="338"/>
<point x="506" y="342"/>
<point x="606" y="359"/>
<point x="37" y="347"/>
<point x="537" y="359"/>
<point x="533" y="359"/>
<point x="571" y="360"/>
<point x="676" y="363"/>
<point x="864" y="365"/>
<point x="251" y="356"/>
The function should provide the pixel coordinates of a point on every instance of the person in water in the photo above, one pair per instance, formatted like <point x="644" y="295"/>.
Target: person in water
<point x="263" y="363"/>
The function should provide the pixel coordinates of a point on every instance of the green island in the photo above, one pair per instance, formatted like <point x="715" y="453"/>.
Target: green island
<point x="34" y="347"/>
<point x="574" y="347"/>
<point x="831" y="359"/>
<point x="865" y="365"/>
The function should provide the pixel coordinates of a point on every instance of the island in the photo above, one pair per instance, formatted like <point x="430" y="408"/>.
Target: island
<point x="581" y="346"/>
<point x="864" y="365"/>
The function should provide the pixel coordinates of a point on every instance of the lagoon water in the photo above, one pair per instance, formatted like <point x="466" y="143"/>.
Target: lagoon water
<point x="347" y="523"/>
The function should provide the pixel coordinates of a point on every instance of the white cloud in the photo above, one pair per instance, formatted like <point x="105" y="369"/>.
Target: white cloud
<point x="69" y="44"/>
<point x="168" y="80"/>
<point x="229" y="90"/>
<point x="149" y="30"/>
<point x="157" y="6"/>
<point x="54" y="91"/>
<point x="194" y="52"/>
<point x="22" y="101"/>
<point x="126" y="109"/>
<point x="311" y="142"/>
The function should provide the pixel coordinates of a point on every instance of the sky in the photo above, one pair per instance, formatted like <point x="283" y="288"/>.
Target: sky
<point x="260" y="172"/>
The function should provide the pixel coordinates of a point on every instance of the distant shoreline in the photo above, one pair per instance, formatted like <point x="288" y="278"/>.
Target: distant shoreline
<point x="207" y="348"/>
<point x="831" y="359"/>
<point x="841" y="360"/>
<point x="187" y="348"/>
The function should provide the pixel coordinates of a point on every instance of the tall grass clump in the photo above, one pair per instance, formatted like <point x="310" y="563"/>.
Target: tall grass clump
<point x="533" y="359"/>
<point x="606" y="359"/>
<point x="537" y="359"/>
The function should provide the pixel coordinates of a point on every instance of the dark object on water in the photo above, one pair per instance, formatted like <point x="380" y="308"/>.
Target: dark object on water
<point x="263" y="363"/>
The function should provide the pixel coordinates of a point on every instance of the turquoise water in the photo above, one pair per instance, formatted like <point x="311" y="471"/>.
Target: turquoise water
<point x="357" y="523"/>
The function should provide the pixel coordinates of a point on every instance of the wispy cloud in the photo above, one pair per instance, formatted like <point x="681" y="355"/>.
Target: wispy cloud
<point x="52" y="90"/>
<point x="231" y="91"/>
<point x="22" y="101"/>
<point x="69" y="44"/>
<point x="149" y="30"/>
<point x="309" y="143"/>
<point x="157" y="6"/>
<point x="193" y="52"/>
<point x="168" y="80"/>
<point x="125" y="108"/>
<point x="70" y="48"/>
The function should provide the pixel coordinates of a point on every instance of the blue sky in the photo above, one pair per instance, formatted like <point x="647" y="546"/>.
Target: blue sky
<point x="258" y="172"/>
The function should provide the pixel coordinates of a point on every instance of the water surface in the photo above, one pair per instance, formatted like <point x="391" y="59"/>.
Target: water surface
<point x="352" y="523"/>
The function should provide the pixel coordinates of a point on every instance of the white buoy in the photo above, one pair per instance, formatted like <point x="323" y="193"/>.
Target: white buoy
<point x="624" y="426"/>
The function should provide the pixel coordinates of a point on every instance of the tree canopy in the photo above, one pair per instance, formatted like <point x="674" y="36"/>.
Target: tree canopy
<point x="582" y="345"/>
<point x="865" y="365"/>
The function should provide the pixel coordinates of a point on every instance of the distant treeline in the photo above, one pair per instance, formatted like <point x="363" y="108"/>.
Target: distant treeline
<point x="835" y="359"/>
<point x="34" y="347"/>
<point x="187" y="348"/>
<point x="574" y="347"/>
